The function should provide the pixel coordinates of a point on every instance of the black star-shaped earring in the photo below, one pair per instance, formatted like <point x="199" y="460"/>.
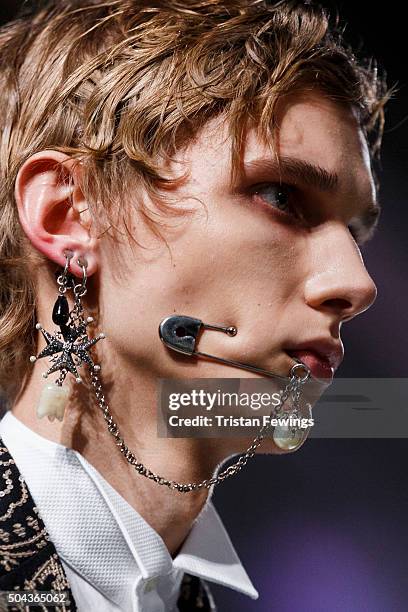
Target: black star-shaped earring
<point x="67" y="344"/>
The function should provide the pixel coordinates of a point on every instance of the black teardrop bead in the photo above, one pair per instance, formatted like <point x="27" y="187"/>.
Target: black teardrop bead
<point x="60" y="312"/>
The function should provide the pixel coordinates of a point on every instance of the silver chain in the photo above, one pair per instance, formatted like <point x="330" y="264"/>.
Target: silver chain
<point x="292" y="387"/>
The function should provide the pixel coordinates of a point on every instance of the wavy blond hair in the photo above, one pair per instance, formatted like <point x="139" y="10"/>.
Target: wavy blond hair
<point x="121" y="84"/>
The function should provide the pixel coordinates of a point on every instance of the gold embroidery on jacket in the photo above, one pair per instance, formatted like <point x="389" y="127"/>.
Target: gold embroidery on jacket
<point x="21" y="540"/>
<point x="25" y="547"/>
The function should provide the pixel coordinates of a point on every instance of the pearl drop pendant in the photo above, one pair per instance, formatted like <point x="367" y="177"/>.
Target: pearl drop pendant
<point x="287" y="437"/>
<point x="52" y="402"/>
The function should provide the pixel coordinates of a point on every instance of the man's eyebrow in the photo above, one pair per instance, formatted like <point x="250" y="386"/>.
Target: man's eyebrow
<point x="301" y="172"/>
<point x="297" y="170"/>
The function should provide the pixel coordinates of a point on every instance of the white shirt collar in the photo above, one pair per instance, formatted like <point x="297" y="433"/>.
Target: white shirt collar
<point x="101" y="536"/>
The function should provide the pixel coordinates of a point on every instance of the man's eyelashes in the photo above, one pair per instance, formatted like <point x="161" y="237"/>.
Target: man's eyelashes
<point x="279" y="196"/>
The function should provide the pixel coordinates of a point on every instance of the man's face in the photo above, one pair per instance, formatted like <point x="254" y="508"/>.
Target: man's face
<point x="272" y="254"/>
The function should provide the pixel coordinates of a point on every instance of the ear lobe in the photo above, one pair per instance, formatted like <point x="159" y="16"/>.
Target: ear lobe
<point x="50" y="202"/>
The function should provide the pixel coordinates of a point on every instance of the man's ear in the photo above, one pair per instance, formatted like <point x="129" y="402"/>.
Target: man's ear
<point x="52" y="209"/>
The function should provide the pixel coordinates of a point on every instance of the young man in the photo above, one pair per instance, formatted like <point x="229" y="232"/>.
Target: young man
<point x="206" y="158"/>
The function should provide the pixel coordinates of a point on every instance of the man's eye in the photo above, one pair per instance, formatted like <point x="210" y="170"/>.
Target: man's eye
<point x="277" y="195"/>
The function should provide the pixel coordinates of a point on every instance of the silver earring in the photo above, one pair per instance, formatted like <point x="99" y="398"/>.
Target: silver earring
<point x="68" y="347"/>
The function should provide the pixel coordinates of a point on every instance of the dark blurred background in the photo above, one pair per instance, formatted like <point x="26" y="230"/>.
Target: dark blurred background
<point x="325" y="528"/>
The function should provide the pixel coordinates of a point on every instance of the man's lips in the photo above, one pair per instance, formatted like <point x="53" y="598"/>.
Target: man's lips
<point x="318" y="366"/>
<point x="322" y="361"/>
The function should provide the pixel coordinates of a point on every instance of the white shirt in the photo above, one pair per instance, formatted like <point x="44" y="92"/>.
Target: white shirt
<point x="114" y="560"/>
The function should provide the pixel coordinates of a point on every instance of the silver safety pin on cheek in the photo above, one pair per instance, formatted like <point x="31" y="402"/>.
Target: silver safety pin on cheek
<point x="180" y="333"/>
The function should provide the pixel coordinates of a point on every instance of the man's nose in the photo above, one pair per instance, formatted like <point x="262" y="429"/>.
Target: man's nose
<point x="338" y="279"/>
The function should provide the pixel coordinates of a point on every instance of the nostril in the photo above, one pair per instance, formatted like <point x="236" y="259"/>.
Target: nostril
<point x="338" y="304"/>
